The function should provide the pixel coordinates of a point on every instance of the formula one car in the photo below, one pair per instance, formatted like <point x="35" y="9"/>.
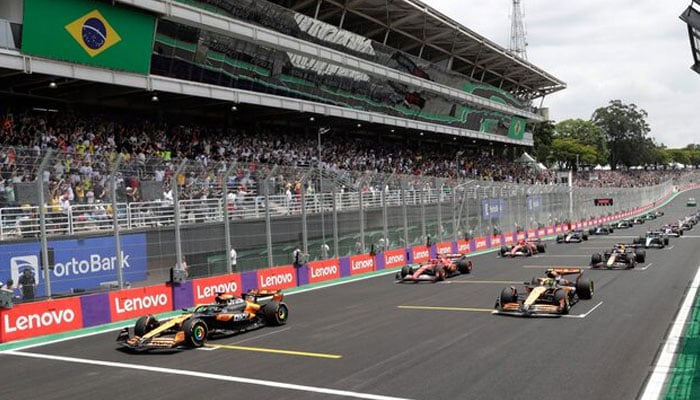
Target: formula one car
<point x="691" y="202"/>
<point x="620" y="257"/>
<point x="652" y="239"/>
<point x="601" y="230"/>
<point x="623" y="224"/>
<point x="437" y="269"/>
<point x="227" y="316"/>
<point x="638" y="220"/>
<point x="650" y="216"/>
<point x="549" y="296"/>
<point x="575" y="236"/>
<point x="524" y="247"/>
<point x="673" y="230"/>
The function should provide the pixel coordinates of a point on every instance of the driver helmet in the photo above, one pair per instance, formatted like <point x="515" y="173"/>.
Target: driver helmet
<point x="621" y="248"/>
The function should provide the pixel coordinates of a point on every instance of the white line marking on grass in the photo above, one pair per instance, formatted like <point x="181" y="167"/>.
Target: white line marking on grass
<point x="205" y="375"/>
<point x="664" y="364"/>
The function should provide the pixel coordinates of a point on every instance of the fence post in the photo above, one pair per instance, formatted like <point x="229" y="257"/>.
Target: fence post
<point x="227" y="219"/>
<point x="176" y="204"/>
<point x="42" y="223"/>
<point x="115" y="222"/>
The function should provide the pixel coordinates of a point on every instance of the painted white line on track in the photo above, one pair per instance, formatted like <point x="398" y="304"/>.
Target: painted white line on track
<point x="690" y="237"/>
<point x="664" y="364"/>
<point x="560" y="255"/>
<point x="205" y="375"/>
<point x="646" y="267"/>
<point x="581" y="316"/>
<point x="555" y="266"/>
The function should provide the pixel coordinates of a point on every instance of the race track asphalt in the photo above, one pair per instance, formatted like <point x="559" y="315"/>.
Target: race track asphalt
<point x="376" y="339"/>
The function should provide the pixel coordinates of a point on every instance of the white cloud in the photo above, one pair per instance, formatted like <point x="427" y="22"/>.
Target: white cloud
<point x="636" y="51"/>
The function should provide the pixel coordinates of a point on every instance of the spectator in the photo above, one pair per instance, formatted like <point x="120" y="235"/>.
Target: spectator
<point x="234" y="257"/>
<point x="26" y="283"/>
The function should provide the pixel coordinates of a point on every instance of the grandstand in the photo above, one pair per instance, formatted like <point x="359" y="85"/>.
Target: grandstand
<point x="162" y="80"/>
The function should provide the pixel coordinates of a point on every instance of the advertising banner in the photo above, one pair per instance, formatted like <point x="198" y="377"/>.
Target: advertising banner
<point x="89" y="32"/>
<point x="133" y="303"/>
<point x="41" y="318"/>
<point x="493" y="208"/>
<point x="284" y="277"/>
<point x="481" y="243"/>
<point x="324" y="270"/>
<point x="78" y="264"/>
<point x="508" y="238"/>
<point x="463" y="246"/>
<point x="443" y="248"/>
<point x="420" y="254"/>
<point x="496" y="241"/>
<point x="205" y="290"/>
<point x="361" y="264"/>
<point x="394" y="258"/>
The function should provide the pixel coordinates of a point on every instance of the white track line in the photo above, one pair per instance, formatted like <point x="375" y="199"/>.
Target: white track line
<point x="664" y="364"/>
<point x="205" y="375"/>
<point x="646" y="267"/>
<point x="581" y="316"/>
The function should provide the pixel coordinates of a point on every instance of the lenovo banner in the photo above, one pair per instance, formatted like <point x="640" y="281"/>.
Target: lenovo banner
<point x="394" y="258"/>
<point x="443" y="248"/>
<point x="41" y="318"/>
<point x="420" y="254"/>
<point x="463" y="246"/>
<point x="277" y="278"/>
<point x="508" y="236"/>
<point x="481" y="243"/>
<point x="133" y="303"/>
<point x="521" y="235"/>
<point x="496" y="241"/>
<point x="324" y="270"/>
<point x="361" y="264"/>
<point x="204" y="290"/>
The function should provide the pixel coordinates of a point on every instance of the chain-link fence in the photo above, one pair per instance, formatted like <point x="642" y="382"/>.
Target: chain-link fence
<point x="154" y="215"/>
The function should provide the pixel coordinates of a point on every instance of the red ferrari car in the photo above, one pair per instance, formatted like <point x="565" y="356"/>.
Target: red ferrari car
<point x="524" y="247"/>
<point x="437" y="269"/>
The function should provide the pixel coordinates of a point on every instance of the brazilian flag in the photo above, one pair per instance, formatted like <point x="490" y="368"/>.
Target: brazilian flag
<point x="89" y="32"/>
<point x="517" y="128"/>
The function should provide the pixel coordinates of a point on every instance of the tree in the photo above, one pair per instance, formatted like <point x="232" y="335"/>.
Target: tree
<point x="586" y="133"/>
<point x="543" y="133"/>
<point x="566" y="151"/>
<point x="626" y="131"/>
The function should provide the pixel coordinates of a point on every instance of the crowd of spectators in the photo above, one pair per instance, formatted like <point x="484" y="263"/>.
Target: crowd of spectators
<point x="625" y="178"/>
<point x="88" y="144"/>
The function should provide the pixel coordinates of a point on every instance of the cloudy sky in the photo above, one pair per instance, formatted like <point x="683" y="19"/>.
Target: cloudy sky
<point x="636" y="51"/>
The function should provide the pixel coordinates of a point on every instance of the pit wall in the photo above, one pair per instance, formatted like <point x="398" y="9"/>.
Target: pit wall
<point x="29" y="320"/>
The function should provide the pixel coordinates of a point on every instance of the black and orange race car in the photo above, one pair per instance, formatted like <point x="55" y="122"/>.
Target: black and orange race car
<point x="228" y="315"/>
<point x="552" y="295"/>
<point x="437" y="269"/>
<point x="523" y="247"/>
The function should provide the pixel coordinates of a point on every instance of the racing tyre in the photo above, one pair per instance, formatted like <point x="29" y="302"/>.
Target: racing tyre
<point x="405" y="271"/>
<point x="196" y="332"/>
<point x="665" y="241"/>
<point x="591" y="231"/>
<point x="560" y="239"/>
<point x="464" y="266"/>
<point x="145" y="324"/>
<point x="541" y="247"/>
<point x="561" y="298"/>
<point x="585" y="237"/>
<point x="508" y="295"/>
<point x="584" y="289"/>
<point x="596" y="258"/>
<point x="639" y="240"/>
<point x="504" y="250"/>
<point x="640" y="256"/>
<point x="439" y="274"/>
<point x="275" y="313"/>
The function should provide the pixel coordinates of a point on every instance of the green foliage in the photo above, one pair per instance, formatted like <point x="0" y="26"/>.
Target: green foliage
<point x="586" y="133"/>
<point x="626" y="131"/>
<point x="543" y="134"/>
<point x="565" y="151"/>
